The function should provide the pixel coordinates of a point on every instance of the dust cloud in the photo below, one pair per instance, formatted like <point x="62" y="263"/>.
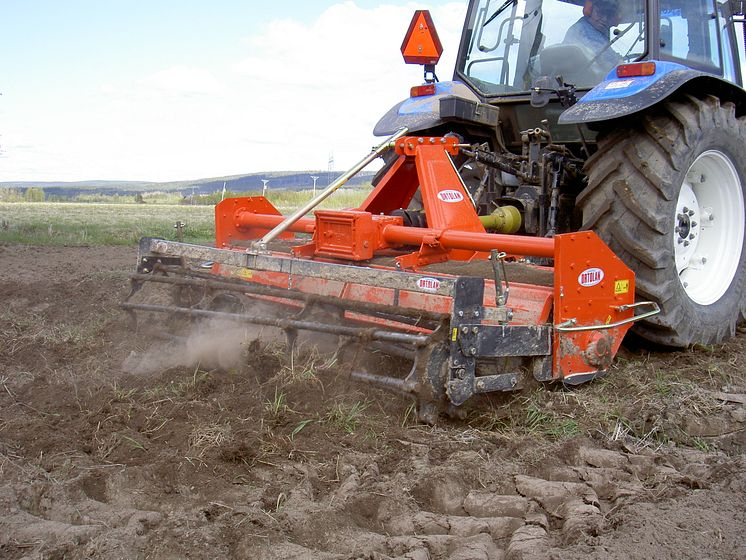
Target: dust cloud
<point x="211" y="344"/>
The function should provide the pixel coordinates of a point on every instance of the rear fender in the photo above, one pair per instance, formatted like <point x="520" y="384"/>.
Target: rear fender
<point x="452" y="101"/>
<point x="620" y="97"/>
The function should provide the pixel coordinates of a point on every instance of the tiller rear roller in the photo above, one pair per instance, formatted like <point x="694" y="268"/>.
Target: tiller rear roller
<point x="467" y="306"/>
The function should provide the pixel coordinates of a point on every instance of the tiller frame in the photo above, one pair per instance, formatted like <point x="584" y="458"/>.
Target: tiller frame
<point x="465" y="334"/>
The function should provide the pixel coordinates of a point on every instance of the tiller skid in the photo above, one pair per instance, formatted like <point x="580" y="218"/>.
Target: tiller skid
<point x="449" y="305"/>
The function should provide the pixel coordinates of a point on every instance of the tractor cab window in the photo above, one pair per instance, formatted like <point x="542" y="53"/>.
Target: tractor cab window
<point x="510" y="44"/>
<point x="689" y="33"/>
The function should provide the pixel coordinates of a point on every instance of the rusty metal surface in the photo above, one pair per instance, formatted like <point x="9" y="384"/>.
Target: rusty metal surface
<point x="210" y="281"/>
<point x="299" y="268"/>
<point x="521" y="273"/>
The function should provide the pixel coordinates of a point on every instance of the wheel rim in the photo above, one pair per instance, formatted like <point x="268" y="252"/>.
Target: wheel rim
<point x="709" y="227"/>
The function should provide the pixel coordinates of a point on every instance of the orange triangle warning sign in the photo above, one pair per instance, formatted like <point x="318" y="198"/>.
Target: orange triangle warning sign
<point x="421" y="43"/>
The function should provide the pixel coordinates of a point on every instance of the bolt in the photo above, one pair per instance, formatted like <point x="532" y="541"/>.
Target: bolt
<point x="146" y="270"/>
<point x="432" y="140"/>
<point x="473" y="351"/>
<point x="465" y="330"/>
<point x="480" y="384"/>
<point x="474" y="330"/>
<point x="442" y="140"/>
<point x="461" y="373"/>
<point x="510" y="315"/>
<point x="420" y="140"/>
<point x="513" y="382"/>
<point x="704" y="260"/>
<point x="476" y="313"/>
<point x="460" y="313"/>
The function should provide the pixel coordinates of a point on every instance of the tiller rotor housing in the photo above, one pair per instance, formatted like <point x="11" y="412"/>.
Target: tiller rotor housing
<point x="413" y="272"/>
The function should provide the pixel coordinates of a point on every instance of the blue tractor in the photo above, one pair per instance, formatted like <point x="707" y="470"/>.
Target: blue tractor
<point x="626" y="117"/>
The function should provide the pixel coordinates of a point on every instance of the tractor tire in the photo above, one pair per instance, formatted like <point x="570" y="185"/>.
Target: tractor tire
<point x="666" y="193"/>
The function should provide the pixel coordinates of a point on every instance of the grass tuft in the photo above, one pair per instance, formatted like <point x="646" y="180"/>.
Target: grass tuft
<point x="347" y="417"/>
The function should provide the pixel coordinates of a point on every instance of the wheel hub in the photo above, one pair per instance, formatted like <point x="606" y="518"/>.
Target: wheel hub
<point x="709" y="227"/>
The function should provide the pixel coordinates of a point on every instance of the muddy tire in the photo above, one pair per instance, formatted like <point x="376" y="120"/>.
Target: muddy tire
<point x="666" y="193"/>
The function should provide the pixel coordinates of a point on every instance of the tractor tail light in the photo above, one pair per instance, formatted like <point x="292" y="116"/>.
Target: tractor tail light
<point x="421" y="91"/>
<point x="635" y="69"/>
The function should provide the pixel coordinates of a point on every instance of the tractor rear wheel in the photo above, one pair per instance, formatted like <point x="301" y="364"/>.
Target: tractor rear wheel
<point x="666" y="192"/>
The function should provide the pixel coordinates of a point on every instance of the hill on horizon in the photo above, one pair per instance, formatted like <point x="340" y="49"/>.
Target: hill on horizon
<point x="280" y="180"/>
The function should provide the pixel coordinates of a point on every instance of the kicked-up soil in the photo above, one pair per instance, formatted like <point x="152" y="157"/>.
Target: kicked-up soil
<point x="116" y="442"/>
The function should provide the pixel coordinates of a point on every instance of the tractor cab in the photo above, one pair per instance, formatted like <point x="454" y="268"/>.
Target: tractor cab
<point x="532" y="60"/>
<point x="516" y="46"/>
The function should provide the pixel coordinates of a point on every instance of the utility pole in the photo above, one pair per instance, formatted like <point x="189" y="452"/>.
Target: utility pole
<point x="330" y="168"/>
<point x="315" y="178"/>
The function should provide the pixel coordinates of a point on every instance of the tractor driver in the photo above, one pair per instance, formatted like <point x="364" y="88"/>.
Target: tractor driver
<point x="591" y="32"/>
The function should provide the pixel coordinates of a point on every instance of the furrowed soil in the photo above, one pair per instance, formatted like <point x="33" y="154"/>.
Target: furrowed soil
<point x="118" y="443"/>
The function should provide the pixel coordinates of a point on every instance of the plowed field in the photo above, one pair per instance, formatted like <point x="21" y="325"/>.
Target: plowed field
<point x="118" y="443"/>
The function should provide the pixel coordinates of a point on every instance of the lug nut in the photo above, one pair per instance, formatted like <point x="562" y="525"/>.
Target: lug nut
<point x="694" y="224"/>
<point x="686" y="244"/>
<point x="691" y="212"/>
<point x="692" y="236"/>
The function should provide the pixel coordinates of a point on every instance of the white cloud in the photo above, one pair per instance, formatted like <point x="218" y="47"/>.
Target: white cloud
<point x="290" y="96"/>
<point x="184" y="80"/>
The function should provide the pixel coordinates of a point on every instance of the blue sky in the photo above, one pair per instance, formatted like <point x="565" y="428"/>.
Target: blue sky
<point x="171" y="90"/>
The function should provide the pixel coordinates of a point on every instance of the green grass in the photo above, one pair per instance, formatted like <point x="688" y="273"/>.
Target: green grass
<point x="90" y="224"/>
<point x="346" y="416"/>
<point x="76" y="224"/>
